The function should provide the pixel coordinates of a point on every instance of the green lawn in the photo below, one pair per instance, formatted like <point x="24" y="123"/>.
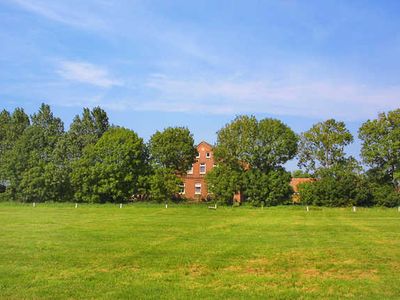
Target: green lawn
<point x="55" y="251"/>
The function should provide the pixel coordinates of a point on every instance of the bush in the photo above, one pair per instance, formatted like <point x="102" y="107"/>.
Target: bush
<point x="267" y="189"/>
<point x="343" y="190"/>
<point x="164" y="185"/>
<point x="385" y="195"/>
<point x="223" y="182"/>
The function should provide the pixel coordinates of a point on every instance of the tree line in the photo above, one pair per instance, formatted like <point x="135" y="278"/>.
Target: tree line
<point x="96" y="162"/>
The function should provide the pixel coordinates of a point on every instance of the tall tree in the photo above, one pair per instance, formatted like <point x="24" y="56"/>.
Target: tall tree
<point x="32" y="152"/>
<point x="5" y="120"/>
<point x="247" y="143"/>
<point x="252" y="151"/>
<point x="86" y="130"/>
<point x="323" y="145"/>
<point x="173" y="148"/>
<point x="111" y="169"/>
<point x="381" y="145"/>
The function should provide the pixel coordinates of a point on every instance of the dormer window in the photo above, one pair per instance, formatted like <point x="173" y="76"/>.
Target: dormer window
<point x="208" y="154"/>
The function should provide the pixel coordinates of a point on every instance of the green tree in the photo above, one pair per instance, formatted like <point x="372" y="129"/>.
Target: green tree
<point x="340" y="185"/>
<point x="245" y="142"/>
<point x="111" y="169"/>
<point x="223" y="183"/>
<point x="11" y="128"/>
<point x="300" y="174"/>
<point x="256" y="150"/>
<point x="236" y="142"/>
<point x="173" y="148"/>
<point x="323" y="145"/>
<point x="86" y="130"/>
<point x="32" y="149"/>
<point x="164" y="185"/>
<point x="381" y="146"/>
<point x="267" y="189"/>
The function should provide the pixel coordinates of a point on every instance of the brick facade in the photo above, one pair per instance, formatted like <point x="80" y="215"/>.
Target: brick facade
<point x="195" y="186"/>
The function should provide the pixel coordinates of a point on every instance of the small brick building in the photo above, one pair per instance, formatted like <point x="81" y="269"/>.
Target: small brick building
<point x="195" y="186"/>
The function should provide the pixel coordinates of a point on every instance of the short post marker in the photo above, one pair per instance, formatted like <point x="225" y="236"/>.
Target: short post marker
<point x="34" y="204"/>
<point x="76" y="205"/>
<point x="262" y="206"/>
<point x="166" y="205"/>
<point x="307" y="208"/>
<point x="120" y="205"/>
<point x="354" y="209"/>
<point x="398" y="209"/>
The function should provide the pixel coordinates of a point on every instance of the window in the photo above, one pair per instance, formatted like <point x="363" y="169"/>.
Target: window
<point x="198" y="155"/>
<point x="208" y="155"/>
<point x="190" y="171"/>
<point x="203" y="168"/>
<point x="182" y="189"/>
<point x="197" y="189"/>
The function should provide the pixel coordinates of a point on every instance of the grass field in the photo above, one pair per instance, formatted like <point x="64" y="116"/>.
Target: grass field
<point x="55" y="251"/>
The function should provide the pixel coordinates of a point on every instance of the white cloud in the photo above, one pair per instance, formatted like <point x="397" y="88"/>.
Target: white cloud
<point x="306" y="98"/>
<point x="87" y="73"/>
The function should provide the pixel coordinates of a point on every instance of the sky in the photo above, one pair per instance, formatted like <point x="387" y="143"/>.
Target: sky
<point x="154" y="64"/>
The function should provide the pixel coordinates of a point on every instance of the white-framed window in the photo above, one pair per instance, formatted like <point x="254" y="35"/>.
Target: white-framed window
<point x="190" y="171"/>
<point x="182" y="189"/>
<point x="202" y="168"/>
<point x="208" y="154"/>
<point x="197" y="189"/>
<point x="198" y="155"/>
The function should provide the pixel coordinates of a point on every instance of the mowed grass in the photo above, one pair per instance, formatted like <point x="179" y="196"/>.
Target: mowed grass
<point x="54" y="251"/>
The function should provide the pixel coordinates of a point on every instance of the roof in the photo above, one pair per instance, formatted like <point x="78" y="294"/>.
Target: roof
<point x="204" y="142"/>
<point x="296" y="181"/>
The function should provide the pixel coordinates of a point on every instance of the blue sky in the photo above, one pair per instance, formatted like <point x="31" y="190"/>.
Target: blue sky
<point x="153" y="64"/>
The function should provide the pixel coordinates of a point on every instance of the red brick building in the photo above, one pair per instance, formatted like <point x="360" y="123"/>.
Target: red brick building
<point x="195" y="186"/>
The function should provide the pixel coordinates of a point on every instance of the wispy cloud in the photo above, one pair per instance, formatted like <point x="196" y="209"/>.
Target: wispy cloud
<point x="62" y="12"/>
<point x="87" y="73"/>
<point x="308" y="98"/>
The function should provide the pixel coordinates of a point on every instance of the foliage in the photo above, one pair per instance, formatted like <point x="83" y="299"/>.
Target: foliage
<point x="340" y="185"/>
<point x="25" y="163"/>
<point x="235" y="142"/>
<point x="110" y="169"/>
<point x="301" y="174"/>
<point x="381" y="145"/>
<point x="267" y="189"/>
<point x="223" y="182"/>
<point x="173" y="149"/>
<point x="264" y="144"/>
<point x="385" y="195"/>
<point x="86" y="130"/>
<point x="252" y="152"/>
<point x="164" y="185"/>
<point x="323" y="145"/>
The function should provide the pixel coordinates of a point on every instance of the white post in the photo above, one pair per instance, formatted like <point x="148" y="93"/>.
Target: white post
<point x="307" y="208"/>
<point x="354" y="209"/>
<point x="166" y="205"/>
<point x="398" y="209"/>
<point x="262" y="206"/>
<point x="33" y="204"/>
<point x="76" y="205"/>
<point x="120" y="205"/>
<point x="215" y="205"/>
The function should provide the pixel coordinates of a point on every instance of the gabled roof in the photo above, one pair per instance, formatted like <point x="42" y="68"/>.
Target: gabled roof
<point x="204" y="142"/>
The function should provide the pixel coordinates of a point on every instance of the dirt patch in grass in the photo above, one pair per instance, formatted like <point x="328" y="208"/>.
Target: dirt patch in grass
<point x="340" y="274"/>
